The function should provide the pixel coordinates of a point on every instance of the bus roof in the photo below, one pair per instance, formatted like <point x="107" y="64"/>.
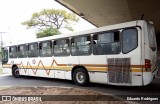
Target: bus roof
<point x="90" y="31"/>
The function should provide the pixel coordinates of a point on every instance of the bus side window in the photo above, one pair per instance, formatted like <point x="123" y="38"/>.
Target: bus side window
<point x="106" y="43"/>
<point x="33" y="50"/>
<point x="62" y="47"/>
<point x="74" y="47"/>
<point x="130" y="40"/>
<point x="21" y="51"/>
<point x="81" y="45"/>
<point x="13" y="52"/>
<point x="45" y="49"/>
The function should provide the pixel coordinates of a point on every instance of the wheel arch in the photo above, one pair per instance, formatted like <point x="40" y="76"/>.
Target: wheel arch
<point x="15" y="71"/>
<point x="79" y="66"/>
<point x="14" y="65"/>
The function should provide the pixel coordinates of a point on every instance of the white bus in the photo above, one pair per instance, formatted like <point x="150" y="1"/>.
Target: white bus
<point x="122" y="54"/>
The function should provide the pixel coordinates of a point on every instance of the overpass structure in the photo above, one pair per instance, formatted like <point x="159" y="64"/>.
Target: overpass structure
<point x="108" y="12"/>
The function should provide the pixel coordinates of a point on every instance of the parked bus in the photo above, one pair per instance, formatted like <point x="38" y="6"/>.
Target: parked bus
<point x="122" y="54"/>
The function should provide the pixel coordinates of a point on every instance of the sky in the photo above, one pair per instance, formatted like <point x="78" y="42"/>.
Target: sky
<point x="14" y="12"/>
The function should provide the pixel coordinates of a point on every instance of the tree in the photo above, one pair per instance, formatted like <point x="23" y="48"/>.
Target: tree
<point x="47" y="32"/>
<point x="51" y="18"/>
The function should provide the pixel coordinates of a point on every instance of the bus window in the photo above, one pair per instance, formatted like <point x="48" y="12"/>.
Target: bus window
<point x="45" y="49"/>
<point x="21" y="51"/>
<point x="13" y="52"/>
<point x="81" y="45"/>
<point x="106" y="43"/>
<point x="152" y="37"/>
<point x="130" y="40"/>
<point x="61" y="47"/>
<point x="33" y="50"/>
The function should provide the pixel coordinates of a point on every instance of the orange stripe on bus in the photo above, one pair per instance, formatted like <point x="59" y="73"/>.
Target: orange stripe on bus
<point x="90" y="67"/>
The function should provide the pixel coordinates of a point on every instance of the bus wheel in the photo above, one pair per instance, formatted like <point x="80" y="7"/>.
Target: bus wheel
<point x="15" y="72"/>
<point x="80" y="77"/>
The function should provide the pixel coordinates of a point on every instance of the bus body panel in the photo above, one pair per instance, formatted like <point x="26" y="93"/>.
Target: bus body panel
<point x="100" y="77"/>
<point x="150" y="52"/>
<point x="123" y="69"/>
<point x="96" y="66"/>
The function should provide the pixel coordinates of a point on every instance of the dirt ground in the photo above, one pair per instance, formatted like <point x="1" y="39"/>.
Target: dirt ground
<point x="67" y="92"/>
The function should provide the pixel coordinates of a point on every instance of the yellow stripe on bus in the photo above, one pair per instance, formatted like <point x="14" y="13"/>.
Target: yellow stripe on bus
<point x="102" y="69"/>
<point x="133" y="68"/>
<point x="6" y="66"/>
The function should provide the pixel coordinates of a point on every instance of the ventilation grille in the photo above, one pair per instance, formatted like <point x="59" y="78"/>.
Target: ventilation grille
<point x="119" y="70"/>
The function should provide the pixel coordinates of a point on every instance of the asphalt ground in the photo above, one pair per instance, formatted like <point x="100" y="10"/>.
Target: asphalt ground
<point x="119" y="91"/>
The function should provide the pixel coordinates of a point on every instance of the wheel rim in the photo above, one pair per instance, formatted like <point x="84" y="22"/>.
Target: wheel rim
<point x="80" y="77"/>
<point x="17" y="72"/>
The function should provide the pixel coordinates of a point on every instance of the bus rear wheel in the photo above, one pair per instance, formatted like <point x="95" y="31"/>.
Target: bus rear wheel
<point x="80" y="77"/>
<point x="15" y="72"/>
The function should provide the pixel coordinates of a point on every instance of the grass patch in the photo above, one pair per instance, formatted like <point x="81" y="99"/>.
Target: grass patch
<point x="2" y="88"/>
<point x="0" y="70"/>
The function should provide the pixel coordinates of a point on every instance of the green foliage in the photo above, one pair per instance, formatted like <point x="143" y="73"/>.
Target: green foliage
<point x="47" y="32"/>
<point x="52" y="18"/>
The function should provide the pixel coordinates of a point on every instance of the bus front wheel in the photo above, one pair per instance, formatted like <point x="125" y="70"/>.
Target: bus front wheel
<point x="80" y="77"/>
<point x="15" y="72"/>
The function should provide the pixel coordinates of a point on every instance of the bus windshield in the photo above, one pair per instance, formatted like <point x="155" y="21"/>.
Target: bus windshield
<point x="4" y="55"/>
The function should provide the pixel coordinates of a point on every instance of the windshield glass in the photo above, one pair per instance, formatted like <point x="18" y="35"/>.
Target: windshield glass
<point x="4" y="56"/>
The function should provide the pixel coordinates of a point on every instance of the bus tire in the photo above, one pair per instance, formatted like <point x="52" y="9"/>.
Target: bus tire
<point x="80" y="77"/>
<point x="15" y="72"/>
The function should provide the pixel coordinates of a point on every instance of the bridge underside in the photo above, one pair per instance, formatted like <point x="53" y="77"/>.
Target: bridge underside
<point x="107" y="12"/>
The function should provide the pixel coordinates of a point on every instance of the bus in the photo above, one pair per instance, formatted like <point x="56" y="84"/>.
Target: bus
<point x="122" y="54"/>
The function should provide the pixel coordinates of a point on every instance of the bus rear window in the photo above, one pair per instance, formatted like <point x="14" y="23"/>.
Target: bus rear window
<point x="151" y="37"/>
